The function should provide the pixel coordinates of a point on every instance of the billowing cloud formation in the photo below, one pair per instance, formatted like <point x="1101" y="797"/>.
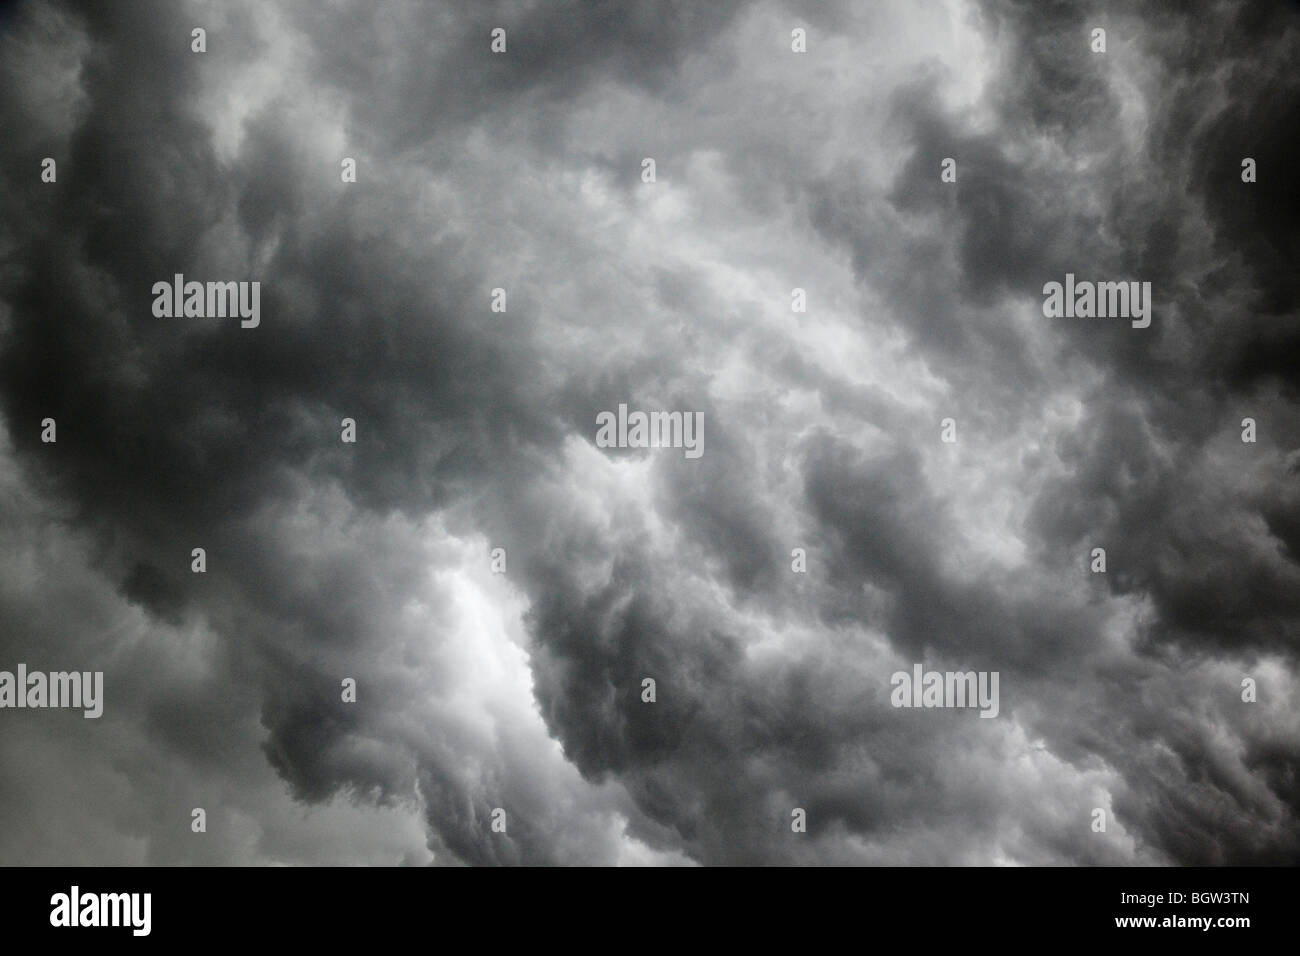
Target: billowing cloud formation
<point x="476" y="430"/>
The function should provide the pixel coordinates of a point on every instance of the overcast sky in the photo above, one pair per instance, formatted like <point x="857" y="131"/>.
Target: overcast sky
<point x="476" y="430"/>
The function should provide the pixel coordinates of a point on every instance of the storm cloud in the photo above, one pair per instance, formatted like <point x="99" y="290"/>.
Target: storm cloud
<point x="475" y="430"/>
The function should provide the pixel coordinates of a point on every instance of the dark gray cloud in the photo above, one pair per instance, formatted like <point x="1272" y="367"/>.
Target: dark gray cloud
<point x="476" y="430"/>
